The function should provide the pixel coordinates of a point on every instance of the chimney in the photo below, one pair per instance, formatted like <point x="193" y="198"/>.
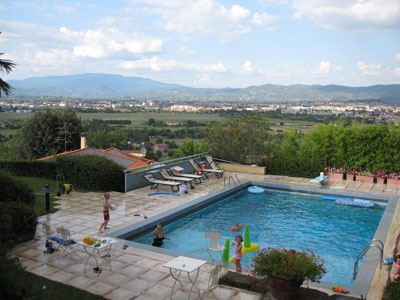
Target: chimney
<point x="83" y="140"/>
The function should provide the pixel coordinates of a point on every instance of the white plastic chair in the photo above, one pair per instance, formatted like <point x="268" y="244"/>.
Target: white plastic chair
<point x="214" y="244"/>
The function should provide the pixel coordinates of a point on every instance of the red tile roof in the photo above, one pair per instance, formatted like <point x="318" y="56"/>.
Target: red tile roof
<point x="125" y="160"/>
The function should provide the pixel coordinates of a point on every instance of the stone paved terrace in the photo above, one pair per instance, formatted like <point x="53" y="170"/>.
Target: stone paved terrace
<point x="138" y="274"/>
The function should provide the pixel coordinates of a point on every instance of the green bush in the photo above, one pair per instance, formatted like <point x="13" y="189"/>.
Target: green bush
<point x="392" y="291"/>
<point x="91" y="172"/>
<point x="31" y="168"/>
<point x="15" y="190"/>
<point x="17" y="222"/>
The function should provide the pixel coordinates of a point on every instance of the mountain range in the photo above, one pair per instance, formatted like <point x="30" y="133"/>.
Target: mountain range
<point x="111" y="86"/>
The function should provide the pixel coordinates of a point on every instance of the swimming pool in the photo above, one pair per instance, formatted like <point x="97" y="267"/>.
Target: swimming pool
<point x="279" y="218"/>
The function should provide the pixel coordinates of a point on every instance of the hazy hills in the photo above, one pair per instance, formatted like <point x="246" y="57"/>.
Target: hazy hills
<point x="116" y="86"/>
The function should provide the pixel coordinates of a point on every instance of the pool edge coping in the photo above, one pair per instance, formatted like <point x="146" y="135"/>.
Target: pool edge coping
<point x="360" y="286"/>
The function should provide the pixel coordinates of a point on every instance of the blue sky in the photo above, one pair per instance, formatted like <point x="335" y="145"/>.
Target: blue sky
<point x="207" y="43"/>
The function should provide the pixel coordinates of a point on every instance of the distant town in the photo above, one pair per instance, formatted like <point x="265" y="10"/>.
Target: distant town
<point x="377" y="112"/>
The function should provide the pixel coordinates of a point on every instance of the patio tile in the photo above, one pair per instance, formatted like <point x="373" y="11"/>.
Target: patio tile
<point x="100" y="288"/>
<point x="132" y="271"/>
<point x="62" y="276"/>
<point x="127" y="258"/>
<point x="153" y="276"/>
<point x="115" y="278"/>
<point x="138" y="284"/>
<point x="122" y="294"/>
<point x="43" y="270"/>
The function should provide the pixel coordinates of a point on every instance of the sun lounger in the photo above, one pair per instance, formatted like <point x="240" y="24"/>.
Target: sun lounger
<point x="320" y="180"/>
<point x="166" y="176"/>
<point x="212" y="163"/>
<point x="176" y="172"/>
<point x="218" y="173"/>
<point x="155" y="182"/>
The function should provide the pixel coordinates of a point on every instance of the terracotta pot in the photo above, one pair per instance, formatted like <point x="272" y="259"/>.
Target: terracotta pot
<point x="350" y="177"/>
<point x="335" y="176"/>
<point x="287" y="290"/>
<point x="365" y="179"/>
<point x="391" y="181"/>
<point x="380" y="180"/>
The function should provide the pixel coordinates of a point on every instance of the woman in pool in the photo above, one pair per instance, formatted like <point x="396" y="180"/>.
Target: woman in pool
<point x="158" y="235"/>
<point x="395" y="271"/>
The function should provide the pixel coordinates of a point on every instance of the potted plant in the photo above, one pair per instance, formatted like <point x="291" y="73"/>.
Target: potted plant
<point x="366" y="176"/>
<point x="351" y="174"/>
<point x="286" y="270"/>
<point x="381" y="177"/>
<point x="393" y="179"/>
<point x="334" y="173"/>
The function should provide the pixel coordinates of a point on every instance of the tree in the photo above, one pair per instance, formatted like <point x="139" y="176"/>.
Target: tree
<point x="189" y="148"/>
<point x="5" y="67"/>
<point x="104" y="139"/>
<point x="50" y="132"/>
<point x="240" y="139"/>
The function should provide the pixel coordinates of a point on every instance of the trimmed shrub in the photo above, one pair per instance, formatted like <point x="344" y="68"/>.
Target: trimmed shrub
<point x="15" y="190"/>
<point x="17" y="222"/>
<point x="30" y="168"/>
<point x="91" y="172"/>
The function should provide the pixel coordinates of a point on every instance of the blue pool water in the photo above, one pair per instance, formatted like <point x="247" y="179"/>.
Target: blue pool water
<point x="292" y="220"/>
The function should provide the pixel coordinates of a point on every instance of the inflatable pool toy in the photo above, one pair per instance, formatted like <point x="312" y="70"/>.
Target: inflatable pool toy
<point x="255" y="189"/>
<point x="225" y="255"/>
<point x="350" y="201"/>
<point x="247" y="245"/>
<point x="161" y="193"/>
<point x="203" y="166"/>
<point x="233" y="228"/>
<point x="113" y="207"/>
<point x="339" y="289"/>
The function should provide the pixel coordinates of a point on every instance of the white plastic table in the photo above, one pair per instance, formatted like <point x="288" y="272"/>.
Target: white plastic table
<point x="185" y="264"/>
<point x="101" y="252"/>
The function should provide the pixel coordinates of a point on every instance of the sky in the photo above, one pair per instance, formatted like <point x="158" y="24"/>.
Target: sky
<point x="206" y="43"/>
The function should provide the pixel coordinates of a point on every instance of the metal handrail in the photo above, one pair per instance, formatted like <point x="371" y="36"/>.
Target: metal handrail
<point x="237" y="182"/>
<point x="365" y="250"/>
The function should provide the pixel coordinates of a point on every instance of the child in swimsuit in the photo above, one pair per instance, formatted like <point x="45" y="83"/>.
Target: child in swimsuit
<point x="238" y="252"/>
<point x="395" y="271"/>
<point x="106" y="212"/>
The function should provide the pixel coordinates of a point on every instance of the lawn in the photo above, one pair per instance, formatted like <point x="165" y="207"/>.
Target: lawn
<point x="37" y="184"/>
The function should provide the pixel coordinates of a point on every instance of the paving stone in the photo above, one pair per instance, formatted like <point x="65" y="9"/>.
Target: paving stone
<point x="133" y="271"/>
<point x="62" y="276"/>
<point x="152" y="276"/>
<point x="115" y="279"/>
<point x="138" y="284"/>
<point x="80" y="282"/>
<point x="100" y="288"/>
<point x="122" y="294"/>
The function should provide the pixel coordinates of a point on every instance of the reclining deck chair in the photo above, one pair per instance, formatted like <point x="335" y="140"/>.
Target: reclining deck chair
<point x="155" y="182"/>
<point x="177" y="172"/>
<point x="218" y="173"/>
<point x="186" y="180"/>
<point x="212" y="163"/>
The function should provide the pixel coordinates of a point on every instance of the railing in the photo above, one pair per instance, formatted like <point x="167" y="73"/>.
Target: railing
<point x="364" y="250"/>
<point x="231" y="177"/>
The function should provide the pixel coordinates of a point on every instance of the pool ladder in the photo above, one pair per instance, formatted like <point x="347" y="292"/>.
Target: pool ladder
<point x="364" y="250"/>
<point x="235" y="180"/>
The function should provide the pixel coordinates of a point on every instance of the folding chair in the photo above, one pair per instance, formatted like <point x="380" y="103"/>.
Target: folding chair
<point x="212" y="282"/>
<point x="65" y="243"/>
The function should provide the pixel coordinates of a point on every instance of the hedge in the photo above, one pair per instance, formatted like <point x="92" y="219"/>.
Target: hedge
<point x="89" y="171"/>
<point x="17" y="222"/>
<point x="15" y="190"/>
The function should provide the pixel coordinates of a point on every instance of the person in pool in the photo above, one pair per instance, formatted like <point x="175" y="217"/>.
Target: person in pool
<point x="158" y="235"/>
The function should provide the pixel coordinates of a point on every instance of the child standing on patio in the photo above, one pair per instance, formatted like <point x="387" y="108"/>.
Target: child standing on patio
<point x="106" y="212"/>
<point x="238" y="253"/>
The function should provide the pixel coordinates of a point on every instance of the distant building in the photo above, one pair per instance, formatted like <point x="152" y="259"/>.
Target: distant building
<point x="160" y="147"/>
<point x="127" y="161"/>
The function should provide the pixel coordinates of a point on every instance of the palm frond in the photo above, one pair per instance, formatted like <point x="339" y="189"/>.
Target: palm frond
<point x="6" y="65"/>
<point x="5" y="87"/>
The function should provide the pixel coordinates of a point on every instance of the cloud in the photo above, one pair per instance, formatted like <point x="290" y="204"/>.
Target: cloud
<point x="397" y="71"/>
<point x="105" y="42"/>
<point x="371" y="70"/>
<point x="64" y="9"/>
<point x="323" y="68"/>
<point x="397" y="57"/>
<point x="155" y="63"/>
<point x="247" y="67"/>
<point x="186" y="51"/>
<point x="207" y="17"/>
<point x="350" y="14"/>
<point x="263" y="19"/>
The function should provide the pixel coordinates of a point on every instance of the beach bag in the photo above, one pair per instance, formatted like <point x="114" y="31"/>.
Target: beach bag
<point x="183" y="189"/>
